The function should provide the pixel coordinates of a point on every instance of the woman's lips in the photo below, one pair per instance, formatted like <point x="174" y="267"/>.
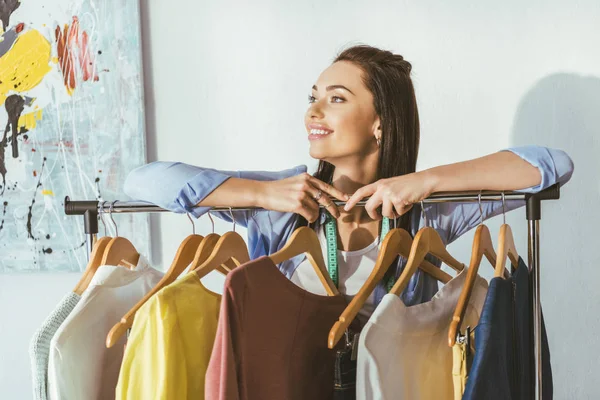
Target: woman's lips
<point x="318" y="132"/>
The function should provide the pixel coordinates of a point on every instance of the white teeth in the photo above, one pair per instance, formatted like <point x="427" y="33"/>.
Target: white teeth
<point x="318" y="132"/>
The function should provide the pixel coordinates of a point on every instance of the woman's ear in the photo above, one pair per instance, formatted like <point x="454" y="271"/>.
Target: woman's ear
<point x="377" y="128"/>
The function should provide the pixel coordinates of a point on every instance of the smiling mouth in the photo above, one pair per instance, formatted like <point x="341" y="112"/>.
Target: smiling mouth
<point x="316" y="134"/>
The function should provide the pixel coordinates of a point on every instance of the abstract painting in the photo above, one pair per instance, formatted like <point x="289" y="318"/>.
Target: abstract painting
<point x="71" y="124"/>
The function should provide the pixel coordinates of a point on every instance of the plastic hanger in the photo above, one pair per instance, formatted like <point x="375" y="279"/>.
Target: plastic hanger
<point x="482" y="246"/>
<point x="305" y="240"/>
<point x="427" y="240"/>
<point x="397" y="242"/>
<point x="230" y="246"/>
<point x="506" y="247"/>
<point x="119" y="249"/>
<point x="183" y="258"/>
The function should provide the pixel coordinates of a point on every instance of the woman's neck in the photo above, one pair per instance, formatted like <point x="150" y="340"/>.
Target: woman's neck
<point x="349" y="178"/>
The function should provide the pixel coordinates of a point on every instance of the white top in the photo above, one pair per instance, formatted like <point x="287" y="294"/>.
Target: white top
<point x="80" y="366"/>
<point x="39" y="347"/>
<point x="354" y="267"/>
<point x="403" y="352"/>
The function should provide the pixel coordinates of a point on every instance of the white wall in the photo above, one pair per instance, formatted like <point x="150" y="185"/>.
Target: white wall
<point x="226" y="87"/>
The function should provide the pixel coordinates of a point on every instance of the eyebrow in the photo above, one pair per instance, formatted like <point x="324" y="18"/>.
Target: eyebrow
<point x="331" y="87"/>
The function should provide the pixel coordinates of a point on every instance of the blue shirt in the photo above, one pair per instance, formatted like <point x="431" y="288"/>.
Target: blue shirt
<point x="178" y="187"/>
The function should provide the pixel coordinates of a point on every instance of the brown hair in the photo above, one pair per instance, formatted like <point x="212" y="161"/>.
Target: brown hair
<point x="387" y="76"/>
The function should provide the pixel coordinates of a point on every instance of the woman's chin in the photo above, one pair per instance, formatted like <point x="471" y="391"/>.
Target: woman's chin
<point x="316" y="152"/>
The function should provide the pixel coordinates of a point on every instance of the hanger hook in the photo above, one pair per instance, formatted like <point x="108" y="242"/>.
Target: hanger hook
<point x="423" y="213"/>
<point x="211" y="221"/>
<point x="480" y="208"/>
<point x="110" y="211"/>
<point x="232" y="217"/>
<point x="192" y="221"/>
<point x="101" y="213"/>
<point x="503" y="209"/>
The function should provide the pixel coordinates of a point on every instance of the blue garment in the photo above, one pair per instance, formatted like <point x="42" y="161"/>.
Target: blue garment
<point x="502" y="368"/>
<point x="179" y="187"/>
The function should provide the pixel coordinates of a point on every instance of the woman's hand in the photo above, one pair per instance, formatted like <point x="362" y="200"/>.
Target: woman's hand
<point x="300" y="194"/>
<point x="394" y="195"/>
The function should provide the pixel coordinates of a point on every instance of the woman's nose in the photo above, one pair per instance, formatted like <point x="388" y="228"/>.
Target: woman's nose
<point x="315" y="110"/>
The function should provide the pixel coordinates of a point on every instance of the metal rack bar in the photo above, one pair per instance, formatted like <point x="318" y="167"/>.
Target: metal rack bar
<point x="91" y="209"/>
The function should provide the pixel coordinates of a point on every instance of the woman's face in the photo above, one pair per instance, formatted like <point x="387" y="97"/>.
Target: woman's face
<point x="341" y="121"/>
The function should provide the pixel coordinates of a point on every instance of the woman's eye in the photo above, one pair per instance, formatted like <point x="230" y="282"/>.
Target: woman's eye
<point x="311" y="98"/>
<point x="337" y="99"/>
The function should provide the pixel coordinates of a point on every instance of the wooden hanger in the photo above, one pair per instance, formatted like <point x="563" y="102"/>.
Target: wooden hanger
<point x="93" y="264"/>
<point x="506" y="248"/>
<point x="230" y="246"/>
<point x="204" y="251"/>
<point x="396" y="242"/>
<point x="305" y="240"/>
<point x="427" y="240"/>
<point x="120" y="249"/>
<point x="482" y="246"/>
<point x="183" y="257"/>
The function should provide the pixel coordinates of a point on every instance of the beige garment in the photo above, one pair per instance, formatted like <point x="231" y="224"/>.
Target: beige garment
<point x="462" y="359"/>
<point x="403" y="352"/>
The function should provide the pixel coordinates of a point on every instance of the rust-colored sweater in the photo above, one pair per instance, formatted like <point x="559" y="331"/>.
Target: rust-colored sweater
<point x="271" y="339"/>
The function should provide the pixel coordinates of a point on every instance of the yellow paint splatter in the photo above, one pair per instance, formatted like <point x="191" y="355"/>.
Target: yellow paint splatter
<point x="24" y="66"/>
<point x="29" y="120"/>
<point x="47" y="192"/>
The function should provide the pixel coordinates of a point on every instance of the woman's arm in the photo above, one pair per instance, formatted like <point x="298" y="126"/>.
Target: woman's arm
<point x="499" y="171"/>
<point x="181" y="187"/>
<point x="526" y="169"/>
<point x="187" y="188"/>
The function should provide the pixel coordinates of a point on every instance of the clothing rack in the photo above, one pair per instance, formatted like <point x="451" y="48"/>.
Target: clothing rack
<point x="91" y="209"/>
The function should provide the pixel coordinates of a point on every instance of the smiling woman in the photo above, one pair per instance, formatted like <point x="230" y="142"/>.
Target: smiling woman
<point x="362" y="122"/>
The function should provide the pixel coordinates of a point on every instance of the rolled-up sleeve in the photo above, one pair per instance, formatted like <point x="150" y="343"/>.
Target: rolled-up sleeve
<point x="178" y="187"/>
<point x="452" y="220"/>
<point x="555" y="165"/>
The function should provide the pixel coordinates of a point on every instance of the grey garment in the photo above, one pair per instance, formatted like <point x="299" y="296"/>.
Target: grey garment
<point x="39" y="347"/>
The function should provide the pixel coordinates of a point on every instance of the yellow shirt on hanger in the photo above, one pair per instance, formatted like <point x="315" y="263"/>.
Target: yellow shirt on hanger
<point x="170" y="343"/>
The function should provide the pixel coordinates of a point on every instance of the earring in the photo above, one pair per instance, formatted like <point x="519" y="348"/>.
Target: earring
<point x="378" y="142"/>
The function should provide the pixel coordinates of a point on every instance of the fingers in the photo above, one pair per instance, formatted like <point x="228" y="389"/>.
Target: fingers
<point x="371" y="207"/>
<point x="330" y="190"/>
<point x="402" y="208"/>
<point x="359" y="195"/>
<point x="323" y="199"/>
<point x="326" y="201"/>
<point x="309" y="209"/>
<point x="387" y="209"/>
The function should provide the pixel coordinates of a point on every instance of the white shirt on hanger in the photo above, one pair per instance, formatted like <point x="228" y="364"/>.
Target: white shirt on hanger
<point x="354" y="267"/>
<point x="403" y="352"/>
<point x="80" y="365"/>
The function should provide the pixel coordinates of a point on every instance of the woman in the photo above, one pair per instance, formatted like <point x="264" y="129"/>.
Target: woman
<point x="363" y="126"/>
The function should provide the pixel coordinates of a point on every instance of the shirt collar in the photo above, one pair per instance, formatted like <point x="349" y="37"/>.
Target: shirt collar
<point x="114" y="275"/>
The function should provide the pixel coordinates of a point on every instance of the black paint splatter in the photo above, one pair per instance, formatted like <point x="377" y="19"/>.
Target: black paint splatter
<point x="47" y="236"/>
<point x="47" y="251"/>
<point x="30" y="213"/>
<point x="7" y="7"/>
<point x="5" y="204"/>
<point x="14" y="105"/>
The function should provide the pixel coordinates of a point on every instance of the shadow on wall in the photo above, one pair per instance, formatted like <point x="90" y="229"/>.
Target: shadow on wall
<point x="562" y="111"/>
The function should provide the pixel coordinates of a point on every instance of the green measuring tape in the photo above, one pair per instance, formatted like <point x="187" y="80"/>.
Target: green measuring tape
<point x="332" y="256"/>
